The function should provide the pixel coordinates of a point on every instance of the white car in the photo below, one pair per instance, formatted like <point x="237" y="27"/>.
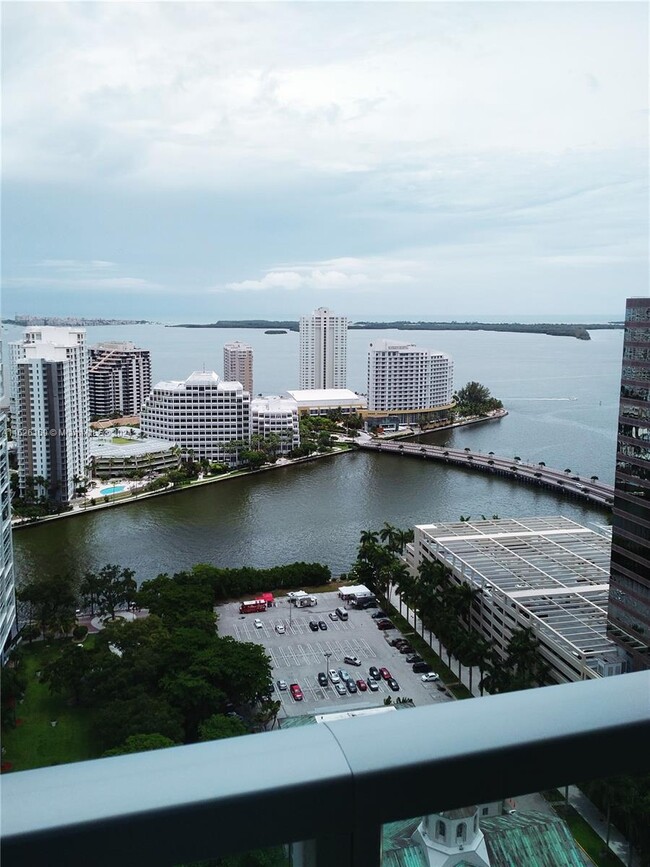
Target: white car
<point x="333" y="675"/>
<point x="429" y="676"/>
<point x="282" y="685"/>
<point x="279" y="628"/>
<point x="257" y="623"/>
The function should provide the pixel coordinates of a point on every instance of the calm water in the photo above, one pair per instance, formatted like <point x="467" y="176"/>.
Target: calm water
<point x="562" y="395"/>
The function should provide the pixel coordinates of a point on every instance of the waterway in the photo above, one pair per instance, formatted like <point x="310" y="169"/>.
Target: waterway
<point x="562" y="397"/>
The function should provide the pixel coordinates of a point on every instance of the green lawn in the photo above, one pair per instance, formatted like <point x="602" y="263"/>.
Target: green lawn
<point x="35" y="743"/>
<point x="122" y="441"/>
<point x="587" y="838"/>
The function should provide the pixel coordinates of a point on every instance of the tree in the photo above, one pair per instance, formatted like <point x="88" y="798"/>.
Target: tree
<point x="68" y="673"/>
<point x="140" y="714"/>
<point x="52" y="602"/>
<point x="113" y="588"/>
<point x="219" y="726"/>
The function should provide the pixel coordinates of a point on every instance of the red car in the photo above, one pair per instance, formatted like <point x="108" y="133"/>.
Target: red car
<point x="385" y="673"/>
<point x="362" y="686"/>
<point x="296" y="692"/>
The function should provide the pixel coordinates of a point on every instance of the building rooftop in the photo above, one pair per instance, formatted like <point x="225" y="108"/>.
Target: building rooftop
<point x="322" y="395"/>
<point x="103" y="447"/>
<point x="555" y="569"/>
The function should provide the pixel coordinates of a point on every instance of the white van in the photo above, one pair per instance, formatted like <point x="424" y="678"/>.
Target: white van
<point x="342" y="613"/>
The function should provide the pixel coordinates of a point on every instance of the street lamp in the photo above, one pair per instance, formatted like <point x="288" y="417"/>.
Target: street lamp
<point x="327" y="655"/>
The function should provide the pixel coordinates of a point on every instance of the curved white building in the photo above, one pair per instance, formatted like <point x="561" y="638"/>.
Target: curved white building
<point x="279" y="416"/>
<point x="203" y="414"/>
<point x="401" y="376"/>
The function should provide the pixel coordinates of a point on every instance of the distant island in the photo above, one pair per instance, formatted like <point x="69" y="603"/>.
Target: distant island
<point x="579" y="331"/>
<point x="70" y="321"/>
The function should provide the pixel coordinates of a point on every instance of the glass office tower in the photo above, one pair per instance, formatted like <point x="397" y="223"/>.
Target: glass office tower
<point x="629" y="591"/>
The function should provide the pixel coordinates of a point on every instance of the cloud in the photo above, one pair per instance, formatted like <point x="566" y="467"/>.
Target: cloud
<point x="334" y="274"/>
<point x="214" y="94"/>
<point x="79" y="275"/>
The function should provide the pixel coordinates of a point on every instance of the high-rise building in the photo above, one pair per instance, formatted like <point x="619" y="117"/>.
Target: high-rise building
<point x="7" y="581"/>
<point x="203" y="415"/>
<point x="50" y="409"/>
<point x="238" y="364"/>
<point x="404" y="379"/>
<point x="323" y="350"/>
<point x="629" y="587"/>
<point x="119" y="379"/>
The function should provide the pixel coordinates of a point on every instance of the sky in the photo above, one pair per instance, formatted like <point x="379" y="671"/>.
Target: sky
<point x="188" y="162"/>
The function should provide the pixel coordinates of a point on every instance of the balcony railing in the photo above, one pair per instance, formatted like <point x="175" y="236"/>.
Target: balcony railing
<point x="334" y="784"/>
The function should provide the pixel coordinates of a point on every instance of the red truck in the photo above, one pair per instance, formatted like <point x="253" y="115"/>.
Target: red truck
<point x="253" y="605"/>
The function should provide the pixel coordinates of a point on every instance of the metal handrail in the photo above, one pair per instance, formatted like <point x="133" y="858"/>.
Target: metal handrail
<point x="334" y="783"/>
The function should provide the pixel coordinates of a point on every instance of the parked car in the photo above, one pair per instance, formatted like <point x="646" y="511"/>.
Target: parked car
<point x="384" y="624"/>
<point x="393" y="684"/>
<point x="397" y="642"/>
<point x="340" y="688"/>
<point x="420" y="667"/>
<point x="352" y="660"/>
<point x="280" y="628"/>
<point x="378" y="615"/>
<point x="334" y="677"/>
<point x="344" y="675"/>
<point x="430" y="676"/>
<point x="296" y="692"/>
<point x="405" y="648"/>
<point x="362" y="686"/>
<point x="282" y="685"/>
<point x="351" y="685"/>
<point x="372" y="685"/>
<point x="322" y="625"/>
<point x="313" y="625"/>
<point x="373" y="671"/>
<point x="257" y="623"/>
<point x="333" y="615"/>
<point x="385" y="673"/>
<point x="414" y="658"/>
<point x="322" y="678"/>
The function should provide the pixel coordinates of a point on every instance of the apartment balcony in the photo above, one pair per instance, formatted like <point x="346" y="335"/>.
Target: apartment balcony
<point x="332" y="785"/>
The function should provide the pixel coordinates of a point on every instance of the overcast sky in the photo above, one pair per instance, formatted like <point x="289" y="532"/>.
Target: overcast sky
<point x="201" y="161"/>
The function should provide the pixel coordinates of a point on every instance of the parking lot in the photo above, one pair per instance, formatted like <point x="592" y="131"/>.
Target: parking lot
<point x="300" y="653"/>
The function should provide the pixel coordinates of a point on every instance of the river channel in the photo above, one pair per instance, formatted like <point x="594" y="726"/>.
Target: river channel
<point x="562" y="397"/>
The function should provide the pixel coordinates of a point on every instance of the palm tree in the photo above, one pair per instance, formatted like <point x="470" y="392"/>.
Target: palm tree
<point x="594" y="478"/>
<point x="541" y="464"/>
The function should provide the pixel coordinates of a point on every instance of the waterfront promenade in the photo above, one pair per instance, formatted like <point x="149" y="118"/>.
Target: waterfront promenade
<point x="568" y="483"/>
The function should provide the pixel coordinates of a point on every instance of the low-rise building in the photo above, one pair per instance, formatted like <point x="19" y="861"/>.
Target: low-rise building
<point x="278" y="417"/>
<point x="205" y="416"/>
<point x="548" y="574"/>
<point x="115" y="460"/>
<point x="321" y="401"/>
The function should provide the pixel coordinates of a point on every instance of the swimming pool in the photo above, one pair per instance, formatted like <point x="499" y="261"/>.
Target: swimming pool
<point x="115" y="489"/>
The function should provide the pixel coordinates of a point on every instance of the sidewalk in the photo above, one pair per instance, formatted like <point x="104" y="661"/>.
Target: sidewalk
<point x="617" y="842"/>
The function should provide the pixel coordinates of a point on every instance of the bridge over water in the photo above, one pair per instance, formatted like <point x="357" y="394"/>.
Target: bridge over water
<point x="592" y="491"/>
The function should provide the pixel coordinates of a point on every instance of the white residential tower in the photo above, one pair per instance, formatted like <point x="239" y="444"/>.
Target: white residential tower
<point x="323" y="350"/>
<point x="50" y="409"/>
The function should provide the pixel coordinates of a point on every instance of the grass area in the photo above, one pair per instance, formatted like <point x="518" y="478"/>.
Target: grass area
<point x="587" y="838"/>
<point x="35" y="743"/>
<point x="449" y="678"/>
<point x="123" y="441"/>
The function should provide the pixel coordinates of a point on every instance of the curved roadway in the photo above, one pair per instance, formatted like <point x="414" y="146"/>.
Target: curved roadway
<point x="591" y="491"/>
